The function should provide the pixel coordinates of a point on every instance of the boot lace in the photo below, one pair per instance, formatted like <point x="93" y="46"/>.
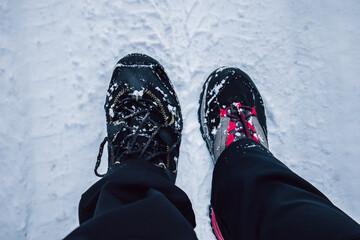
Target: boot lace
<point x="138" y="138"/>
<point x="241" y="114"/>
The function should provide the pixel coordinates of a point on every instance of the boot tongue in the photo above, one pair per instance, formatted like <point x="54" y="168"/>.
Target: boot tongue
<point x="235" y="111"/>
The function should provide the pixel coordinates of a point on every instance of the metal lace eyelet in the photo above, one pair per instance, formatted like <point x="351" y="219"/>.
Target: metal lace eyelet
<point x="162" y="165"/>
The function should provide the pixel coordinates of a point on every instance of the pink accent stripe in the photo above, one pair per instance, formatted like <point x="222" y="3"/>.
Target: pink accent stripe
<point x="230" y="139"/>
<point x="253" y="112"/>
<point x="232" y="126"/>
<point x="251" y="126"/>
<point x="216" y="226"/>
<point x="223" y="112"/>
<point x="255" y="138"/>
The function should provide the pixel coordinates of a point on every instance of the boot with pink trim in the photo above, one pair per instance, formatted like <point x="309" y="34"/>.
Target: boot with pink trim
<point x="231" y="109"/>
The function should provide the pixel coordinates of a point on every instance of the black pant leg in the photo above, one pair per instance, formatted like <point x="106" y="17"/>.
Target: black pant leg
<point x="135" y="201"/>
<point x="255" y="196"/>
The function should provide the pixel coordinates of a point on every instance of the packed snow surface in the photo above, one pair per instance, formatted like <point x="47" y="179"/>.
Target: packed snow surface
<point x="57" y="57"/>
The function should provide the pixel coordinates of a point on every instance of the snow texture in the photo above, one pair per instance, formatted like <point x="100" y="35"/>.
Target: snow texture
<point x="56" y="60"/>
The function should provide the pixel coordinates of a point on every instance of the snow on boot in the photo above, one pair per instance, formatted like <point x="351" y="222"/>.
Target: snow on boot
<point x="231" y="109"/>
<point x="143" y="115"/>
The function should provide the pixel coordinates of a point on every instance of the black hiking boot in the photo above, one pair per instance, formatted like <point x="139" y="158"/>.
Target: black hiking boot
<point x="231" y="108"/>
<point x="143" y="116"/>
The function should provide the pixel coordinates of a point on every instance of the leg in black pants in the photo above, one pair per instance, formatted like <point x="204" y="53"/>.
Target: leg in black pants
<point x="255" y="196"/>
<point x="135" y="201"/>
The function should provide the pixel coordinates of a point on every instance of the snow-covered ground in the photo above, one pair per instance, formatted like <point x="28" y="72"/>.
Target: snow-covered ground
<point x="56" y="59"/>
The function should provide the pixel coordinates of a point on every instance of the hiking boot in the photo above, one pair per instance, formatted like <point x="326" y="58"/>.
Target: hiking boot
<point x="143" y="116"/>
<point x="231" y="109"/>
